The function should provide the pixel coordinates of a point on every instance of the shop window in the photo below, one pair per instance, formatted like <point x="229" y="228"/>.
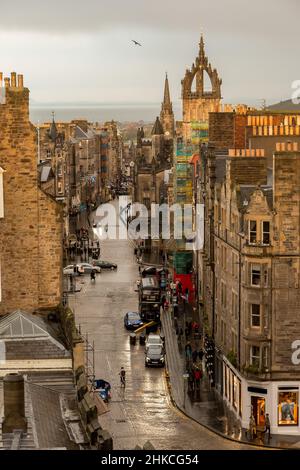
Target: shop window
<point x="255" y="275"/>
<point x="288" y="408"/>
<point x="255" y="356"/>
<point x="59" y="170"/>
<point x="266" y="233"/>
<point x="59" y="188"/>
<point x="255" y="315"/>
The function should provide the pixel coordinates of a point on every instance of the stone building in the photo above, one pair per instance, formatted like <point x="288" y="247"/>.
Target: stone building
<point x="250" y="280"/>
<point x="201" y="92"/>
<point x="31" y="221"/>
<point x="246" y="128"/>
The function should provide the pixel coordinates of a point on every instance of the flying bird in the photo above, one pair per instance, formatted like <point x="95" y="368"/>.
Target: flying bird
<point x="136" y="43"/>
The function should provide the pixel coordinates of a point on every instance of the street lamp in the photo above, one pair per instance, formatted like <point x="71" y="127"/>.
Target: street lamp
<point x="185" y="379"/>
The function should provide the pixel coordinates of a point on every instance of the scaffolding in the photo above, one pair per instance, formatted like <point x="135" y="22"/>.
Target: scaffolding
<point x="89" y="353"/>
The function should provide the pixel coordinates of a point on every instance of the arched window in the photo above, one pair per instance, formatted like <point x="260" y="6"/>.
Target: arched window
<point x="207" y="86"/>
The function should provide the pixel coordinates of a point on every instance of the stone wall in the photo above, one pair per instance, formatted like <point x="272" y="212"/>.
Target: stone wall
<point x="221" y="130"/>
<point x="30" y="231"/>
<point x="247" y="170"/>
<point x="286" y="268"/>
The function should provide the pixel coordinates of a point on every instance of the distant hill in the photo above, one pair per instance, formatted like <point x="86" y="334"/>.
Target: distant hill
<point x="286" y="105"/>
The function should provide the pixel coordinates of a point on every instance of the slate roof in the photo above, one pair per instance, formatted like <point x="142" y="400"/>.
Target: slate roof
<point x="51" y="412"/>
<point x="27" y="337"/>
<point x="46" y="173"/>
<point x="246" y="191"/>
<point x="284" y="106"/>
<point x="220" y="169"/>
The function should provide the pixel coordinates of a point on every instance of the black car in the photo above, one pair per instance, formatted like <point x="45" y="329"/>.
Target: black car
<point x="132" y="320"/>
<point x="105" y="265"/>
<point x="149" y="271"/>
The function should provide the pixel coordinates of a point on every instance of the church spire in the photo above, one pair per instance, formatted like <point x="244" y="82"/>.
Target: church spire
<point x="53" y="129"/>
<point x="166" y="114"/>
<point x="167" y="99"/>
<point x="201" y="48"/>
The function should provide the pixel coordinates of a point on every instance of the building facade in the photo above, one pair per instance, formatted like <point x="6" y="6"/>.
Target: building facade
<point x="31" y="222"/>
<point x="250" y="281"/>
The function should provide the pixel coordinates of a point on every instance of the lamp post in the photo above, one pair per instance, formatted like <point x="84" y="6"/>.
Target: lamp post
<point x="185" y="379"/>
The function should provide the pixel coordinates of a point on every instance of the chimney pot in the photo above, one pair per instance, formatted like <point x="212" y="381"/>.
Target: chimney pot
<point x="6" y="82"/>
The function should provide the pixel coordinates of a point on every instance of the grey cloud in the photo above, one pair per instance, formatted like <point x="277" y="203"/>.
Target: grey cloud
<point x="90" y="16"/>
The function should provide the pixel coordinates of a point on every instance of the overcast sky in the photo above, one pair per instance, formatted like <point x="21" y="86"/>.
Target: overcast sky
<point x="81" y="51"/>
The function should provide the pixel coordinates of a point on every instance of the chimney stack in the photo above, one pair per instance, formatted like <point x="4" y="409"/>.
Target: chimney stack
<point x="13" y="79"/>
<point x="20" y="81"/>
<point x="14" y="404"/>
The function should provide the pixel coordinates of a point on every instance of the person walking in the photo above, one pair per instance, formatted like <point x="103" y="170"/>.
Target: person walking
<point x="268" y="426"/>
<point x="197" y="377"/>
<point x="252" y="428"/>
<point x="122" y="375"/>
<point x="194" y="356"/>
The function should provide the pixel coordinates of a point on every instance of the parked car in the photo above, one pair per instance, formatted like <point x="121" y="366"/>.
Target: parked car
<point x="132" y="320"/>
<point x="155" y="356"/>
<point x="105" y="265"/>
<point x="83" y="268"/>
<point x="87" y="268"/>
<point x="153" y="339"/>
<point x="69" y="270"/>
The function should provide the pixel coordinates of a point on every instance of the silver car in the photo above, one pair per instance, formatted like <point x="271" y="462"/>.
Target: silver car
<point x="83" y="268"/>
<point x="153" y="339"/>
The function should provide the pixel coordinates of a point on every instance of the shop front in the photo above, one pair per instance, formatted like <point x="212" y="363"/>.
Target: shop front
<point x="247" y="397"/>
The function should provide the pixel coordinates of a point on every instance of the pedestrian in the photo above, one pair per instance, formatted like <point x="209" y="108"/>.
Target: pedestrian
<point x="252" y="427"/>
<point x="194" y="355"/>
<point x="93" y="275"/>
<point x="188" y="351"/>
<point x="191" y="382"/>
<point x="197" y="377"/>
<point x="71" y="283"/>
<point x="186" y="333"/>
<point x="268" y="426"/>
<point x="180" y="334"/>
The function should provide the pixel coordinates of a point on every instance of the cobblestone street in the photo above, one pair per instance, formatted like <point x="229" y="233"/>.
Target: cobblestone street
<point x="144" y="411"/>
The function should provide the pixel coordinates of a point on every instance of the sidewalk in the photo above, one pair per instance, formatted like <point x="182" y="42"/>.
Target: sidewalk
<point x="204" y="405"/>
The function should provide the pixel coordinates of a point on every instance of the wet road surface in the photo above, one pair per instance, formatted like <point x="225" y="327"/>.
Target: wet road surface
<point x="143" y="411"/>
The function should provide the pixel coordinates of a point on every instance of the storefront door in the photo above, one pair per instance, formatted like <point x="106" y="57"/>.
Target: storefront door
<point x="258" y="410"/>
